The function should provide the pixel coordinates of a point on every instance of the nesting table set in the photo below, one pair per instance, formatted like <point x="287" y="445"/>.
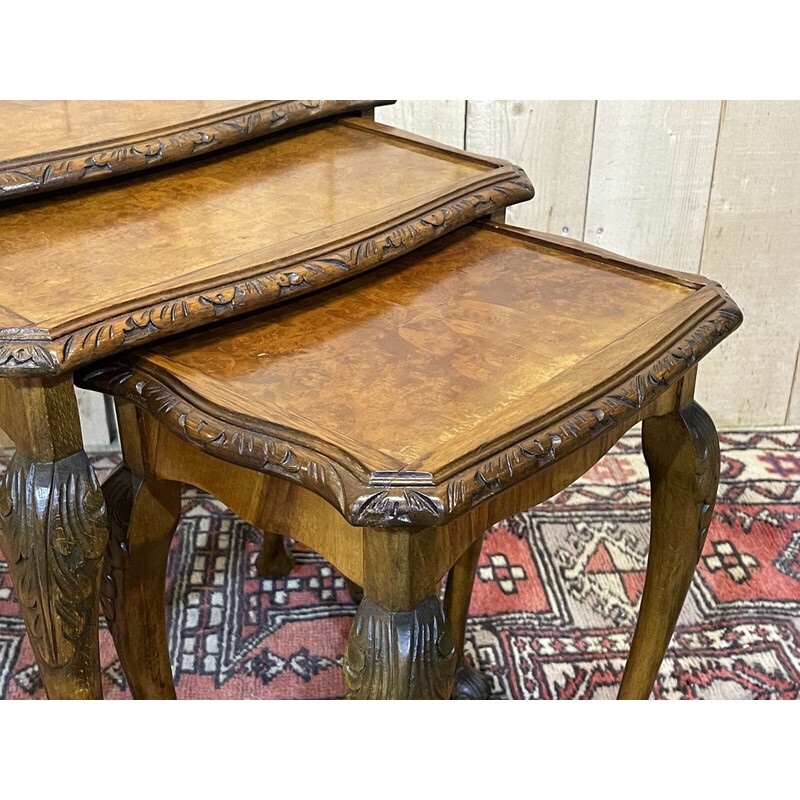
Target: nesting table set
<point x="323" y="322"/>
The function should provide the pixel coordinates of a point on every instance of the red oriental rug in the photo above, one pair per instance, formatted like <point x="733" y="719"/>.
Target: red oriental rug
<point x="554" y="603"/>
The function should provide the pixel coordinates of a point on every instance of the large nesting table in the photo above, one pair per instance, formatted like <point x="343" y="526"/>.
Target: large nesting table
<point x="88" y="273"/>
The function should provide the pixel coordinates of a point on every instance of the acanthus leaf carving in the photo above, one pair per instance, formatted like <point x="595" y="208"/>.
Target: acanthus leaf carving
<point x="705" y="443"/>
<point x="28" y="355"/>
<point x="392" y="507"/>
<point x="86" y="166"/>
<point x="253" y="449"/>
<point x="119" y="491"/>
<point x="399" y="655"/>
<point x="53" y="532"/>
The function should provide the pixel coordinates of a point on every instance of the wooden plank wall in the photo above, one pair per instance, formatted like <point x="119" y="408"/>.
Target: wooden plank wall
<point x="442" y="120"/>
<point x="751" y="246"/>
<point x="552" y="141"/>
<point x="650" y="180"/>
<point x="709" y="186"/>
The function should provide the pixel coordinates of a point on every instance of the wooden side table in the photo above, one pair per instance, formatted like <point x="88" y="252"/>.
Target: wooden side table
<point x="388" y="422"/>
<point x="84" y="275"/>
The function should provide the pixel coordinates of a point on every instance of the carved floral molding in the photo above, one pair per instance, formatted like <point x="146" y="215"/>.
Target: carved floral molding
<point x="411" y="499"/>
<point x="57" y="171"/>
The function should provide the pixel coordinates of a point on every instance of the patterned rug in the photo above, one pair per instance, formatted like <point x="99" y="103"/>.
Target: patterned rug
<point x="554" y="603"/>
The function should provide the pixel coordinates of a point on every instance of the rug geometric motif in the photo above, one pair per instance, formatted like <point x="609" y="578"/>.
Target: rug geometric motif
<point x="554" y="601"/>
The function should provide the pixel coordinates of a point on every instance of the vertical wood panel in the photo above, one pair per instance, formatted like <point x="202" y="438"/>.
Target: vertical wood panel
<point x="651" y="174"/>
<point x="94" y="418"/>
<point x="552" y="141"/>
<point x="751" y="245"/>
<point x="441" y="120"/>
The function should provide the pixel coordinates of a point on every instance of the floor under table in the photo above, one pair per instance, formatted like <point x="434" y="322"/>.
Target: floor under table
<point x="553" y="608"/>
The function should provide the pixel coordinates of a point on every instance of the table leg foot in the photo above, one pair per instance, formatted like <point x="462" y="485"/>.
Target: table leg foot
<point x="53" y="532"/>
<point x="399" y="655"/>
<point x="469" y="683"/>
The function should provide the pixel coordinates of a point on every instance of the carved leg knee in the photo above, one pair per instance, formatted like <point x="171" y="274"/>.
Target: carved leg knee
<point x="682" y="453"/>
<point x="143" y="514"/>
<point x="274" y="560"/>
<point x="399" y="655"/>
<point x="53" y="532"/>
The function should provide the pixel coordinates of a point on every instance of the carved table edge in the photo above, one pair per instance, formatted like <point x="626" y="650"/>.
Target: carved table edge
<point x="23" y="353"/>
<point x="78" y="165"/>
<point x="411" y="499"/>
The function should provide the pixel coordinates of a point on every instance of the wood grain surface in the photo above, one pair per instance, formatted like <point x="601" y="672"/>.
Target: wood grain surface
<point x="444" y="378"/>
<point x="82" y="276"/>
<point x="50" y="144"/>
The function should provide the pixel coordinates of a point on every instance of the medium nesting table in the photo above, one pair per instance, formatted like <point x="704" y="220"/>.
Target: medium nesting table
<point x="89" y="272"/>
<point x="389" y="421"/>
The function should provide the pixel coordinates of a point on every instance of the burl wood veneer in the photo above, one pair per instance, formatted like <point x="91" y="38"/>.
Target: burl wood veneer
<point x="51" y="144"/>
<point x="388" y="421"/>
<point x="83" y="275"/>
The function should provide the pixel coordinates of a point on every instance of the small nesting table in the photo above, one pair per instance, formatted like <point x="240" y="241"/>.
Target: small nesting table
<point x="389" y="421"/>
<point x="107" y="265"/>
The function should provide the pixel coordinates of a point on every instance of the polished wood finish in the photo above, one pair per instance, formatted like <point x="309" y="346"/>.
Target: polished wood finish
<point x="682" y="453"/>
<point x="86" y="275"/>
<point x="143" y="513"/>
<point x="469" y="684"/>
<point x="53" y="531"/>
<point x="51" y="144"/>
<point x="412" y="394"/>
<point x="265" y="501"/>
<point x="387" y="422"/>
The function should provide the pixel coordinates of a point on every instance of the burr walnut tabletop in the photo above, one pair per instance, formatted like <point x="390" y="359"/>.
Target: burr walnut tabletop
<point x="50" y="144"/>
<point x="440" y="380"/>
<point x="388" y="421"/>
<point x="84" y="274"/>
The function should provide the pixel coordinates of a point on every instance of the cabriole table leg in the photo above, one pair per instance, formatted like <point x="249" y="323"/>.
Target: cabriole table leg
<point x="682" y="453"/>
<point x="53" y="531"/>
